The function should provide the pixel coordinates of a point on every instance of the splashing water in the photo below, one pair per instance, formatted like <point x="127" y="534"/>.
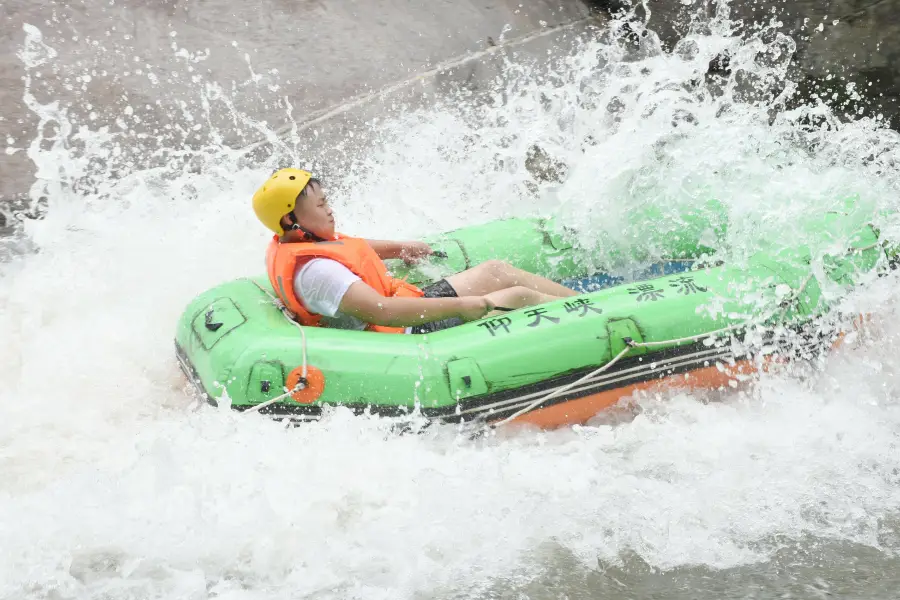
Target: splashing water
<point x="117" y="484"/>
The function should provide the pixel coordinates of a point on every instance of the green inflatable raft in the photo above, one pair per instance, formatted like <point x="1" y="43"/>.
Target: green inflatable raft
<point x="668" y="322"/>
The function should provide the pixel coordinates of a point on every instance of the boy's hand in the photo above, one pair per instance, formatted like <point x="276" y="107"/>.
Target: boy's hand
<point x="413" y="251"/>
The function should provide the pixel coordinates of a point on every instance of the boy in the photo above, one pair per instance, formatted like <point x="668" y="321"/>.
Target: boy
<point x="330" y="279"/>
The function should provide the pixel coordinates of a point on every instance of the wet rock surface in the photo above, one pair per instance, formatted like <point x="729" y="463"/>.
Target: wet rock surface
<point x="147" y="66"/>
<point x="844" y="48"/>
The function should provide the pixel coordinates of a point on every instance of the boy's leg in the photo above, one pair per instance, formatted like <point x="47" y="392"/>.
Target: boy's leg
<point x="518" y="297"/>
<point x="495" y="275"/>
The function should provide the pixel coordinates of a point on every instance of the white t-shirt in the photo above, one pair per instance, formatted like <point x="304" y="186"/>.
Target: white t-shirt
<point x="320" y="285"/>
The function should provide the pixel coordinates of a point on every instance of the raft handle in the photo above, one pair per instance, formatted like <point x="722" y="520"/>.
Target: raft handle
<point x="208" y="321"/>
<point x="467" y="380"/>
<point x="264" y="386"/>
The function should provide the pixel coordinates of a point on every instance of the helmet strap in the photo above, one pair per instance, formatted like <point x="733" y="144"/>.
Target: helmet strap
<point x="307" y="234"/>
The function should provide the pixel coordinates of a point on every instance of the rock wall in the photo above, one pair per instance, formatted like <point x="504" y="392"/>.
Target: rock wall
<point x="839" y="42"/>
<point x="140" y="66"/>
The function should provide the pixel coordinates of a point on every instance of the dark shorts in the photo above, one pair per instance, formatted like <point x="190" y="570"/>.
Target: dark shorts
<point x="438" y="289"/>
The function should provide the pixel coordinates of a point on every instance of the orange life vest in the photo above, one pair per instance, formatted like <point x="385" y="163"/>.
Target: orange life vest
<point x="283" y="259"/>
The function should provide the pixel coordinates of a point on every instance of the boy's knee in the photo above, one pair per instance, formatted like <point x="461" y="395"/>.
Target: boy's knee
<point x="496" y="266"/>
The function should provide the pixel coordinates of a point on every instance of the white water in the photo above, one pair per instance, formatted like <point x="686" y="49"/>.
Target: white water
<point x="115" y="484"/>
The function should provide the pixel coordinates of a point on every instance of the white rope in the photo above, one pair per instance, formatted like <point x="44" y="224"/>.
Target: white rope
<point x="290" y="319"/>
<point x="629" y="345"/>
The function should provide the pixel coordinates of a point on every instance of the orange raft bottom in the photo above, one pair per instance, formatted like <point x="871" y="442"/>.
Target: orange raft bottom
<point x="581" y="410"/>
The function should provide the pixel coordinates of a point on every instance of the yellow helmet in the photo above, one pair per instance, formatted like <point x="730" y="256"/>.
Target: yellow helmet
<point x="278" y="196"/>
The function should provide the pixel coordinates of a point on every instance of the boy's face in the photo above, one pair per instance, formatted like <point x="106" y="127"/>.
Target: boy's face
<point x="313" y="212"/>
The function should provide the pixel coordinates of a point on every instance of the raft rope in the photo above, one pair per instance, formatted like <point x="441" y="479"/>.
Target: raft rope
<point x="630" y="344"/>
<point x="301" y="384"/>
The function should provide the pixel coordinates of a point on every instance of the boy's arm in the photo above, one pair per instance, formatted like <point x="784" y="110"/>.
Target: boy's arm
<point x="364" y="303"/>
<point x="406" y="250"/>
